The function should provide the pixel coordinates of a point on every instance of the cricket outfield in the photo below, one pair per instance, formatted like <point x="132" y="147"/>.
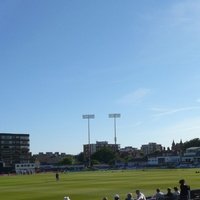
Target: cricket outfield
<point x="93" y="185"/>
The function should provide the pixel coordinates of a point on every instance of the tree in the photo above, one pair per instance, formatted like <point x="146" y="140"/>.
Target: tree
<point x="104" y="155"/>
<point x="79" y="158"/>
<point x="67" y="160"/>
<point x="192" y="143"/>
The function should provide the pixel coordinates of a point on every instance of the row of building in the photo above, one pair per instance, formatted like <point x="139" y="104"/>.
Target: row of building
<point x="15" y="149"/>
<point x="191" y="157"/>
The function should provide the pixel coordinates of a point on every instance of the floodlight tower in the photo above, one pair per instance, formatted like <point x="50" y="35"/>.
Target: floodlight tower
<point x="114" y="116"/>
<point x="88" y="117"/>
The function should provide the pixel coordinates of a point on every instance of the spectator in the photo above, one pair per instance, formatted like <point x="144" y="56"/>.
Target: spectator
<point x="184" y="190"/>
<point x="116" y="197"/>
<point x="159" y="195"/>
<point x="176" y="193"/>
<point x="140" y="195"/>
<point x="129" y="196"/>
<point x="169" y="195"/>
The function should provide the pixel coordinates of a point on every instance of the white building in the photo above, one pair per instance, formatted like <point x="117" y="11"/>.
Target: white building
<point x="192" y="155"/>
<point x="163" y="160"/>
<point x="25" y="168"/>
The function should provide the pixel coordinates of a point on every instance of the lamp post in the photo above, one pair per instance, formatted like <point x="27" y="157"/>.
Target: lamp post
<point x="88" y="117"/>
<point x="114" y="116"/>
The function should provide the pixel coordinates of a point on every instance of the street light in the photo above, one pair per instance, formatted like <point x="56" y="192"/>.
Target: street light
<point x="88" y="117"/>
<point x="114" y="115"/>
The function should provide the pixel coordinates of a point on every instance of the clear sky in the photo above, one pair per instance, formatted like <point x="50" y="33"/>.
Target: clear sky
<point x="62" y="59"/>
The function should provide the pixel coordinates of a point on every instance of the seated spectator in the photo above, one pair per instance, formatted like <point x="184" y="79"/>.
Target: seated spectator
<point x="129" y="196"/>
<point x="116" y="197"/>
<point x="169" y="195"/>
<point x="159" y="195"/>
<point x="176" y="193"/>
<point x="140" y="195"/>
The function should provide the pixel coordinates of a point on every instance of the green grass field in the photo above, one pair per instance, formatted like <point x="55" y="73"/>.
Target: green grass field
<point x="93" y="185"/>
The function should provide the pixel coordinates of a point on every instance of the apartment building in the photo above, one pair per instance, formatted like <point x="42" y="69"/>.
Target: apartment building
<point x="150" y="148"/>
<point x="14" y="148"/>
<point x="92" y="148"/>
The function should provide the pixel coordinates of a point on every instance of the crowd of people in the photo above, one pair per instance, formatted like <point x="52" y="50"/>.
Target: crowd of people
<point x="175" y="194"/>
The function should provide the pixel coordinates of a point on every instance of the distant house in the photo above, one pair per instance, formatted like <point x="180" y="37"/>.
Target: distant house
<point x="192" y="155"/>
<point x="49" y="157"/>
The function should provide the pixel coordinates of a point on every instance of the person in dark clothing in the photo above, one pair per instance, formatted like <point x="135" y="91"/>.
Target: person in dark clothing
<point x="116" y="197"/>
<point x="57" y="176"/>
<point x="129" y="196"/>
<point x="184" y="190"/>
<point x="169" y="195"/>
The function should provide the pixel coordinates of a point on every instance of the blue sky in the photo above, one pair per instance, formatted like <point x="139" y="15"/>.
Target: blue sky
<point x="62" y="59"/>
